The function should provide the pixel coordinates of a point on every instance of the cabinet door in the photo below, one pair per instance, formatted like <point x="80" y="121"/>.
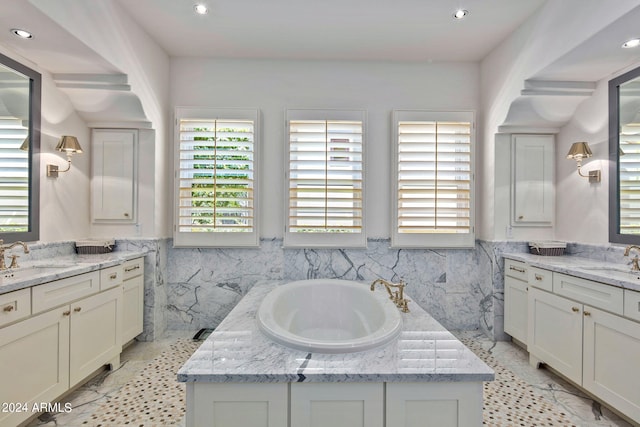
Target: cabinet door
<point x="113" y="180"/>
<point x="96" y="333"/>
<point x="237" y="405"/>
<point x="533" y="190"/>
<point x="35" y="362"/>
<point x="515" y="308"/>
<point x="132" y="308"/>
<point x="611" y="360"/>
<point x="555" y="332"/>
<point x="337" y="405"/>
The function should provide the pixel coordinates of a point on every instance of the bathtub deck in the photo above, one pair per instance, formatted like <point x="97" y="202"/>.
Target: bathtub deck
<point x="237" y="352"/>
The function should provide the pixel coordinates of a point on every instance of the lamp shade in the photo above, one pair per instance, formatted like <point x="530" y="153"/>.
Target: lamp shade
<point x="579" y="150"/>
<point x="69" y="144"/>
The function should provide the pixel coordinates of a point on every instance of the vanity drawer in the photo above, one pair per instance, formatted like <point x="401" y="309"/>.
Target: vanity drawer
<point x="133" y="268"/>
<point x="541" y="279"/>
<point x="515" y="269"/>
<point x="111" y="277"/>
<point x="595" y="294"/>
<point x="64" y="291"/>
<point x="632" y="304"/>
<point x="14" y="306"/>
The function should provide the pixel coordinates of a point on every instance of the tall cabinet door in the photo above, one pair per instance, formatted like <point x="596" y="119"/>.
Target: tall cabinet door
<point x="555" y="332"/>
<point x="35" y="363"/>
<point x="532" y="170"/>
<point x="611" y="358"/>
<point x="113" y="177"/>
<point x="515" y="308"/>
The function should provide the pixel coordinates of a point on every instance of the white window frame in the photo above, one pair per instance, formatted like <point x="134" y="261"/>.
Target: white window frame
<point x="227" y="238"/>
<point x="320" y="239"/>
<point x="431" y="239"/>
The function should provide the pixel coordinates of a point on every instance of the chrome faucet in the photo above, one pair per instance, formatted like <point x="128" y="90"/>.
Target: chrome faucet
<point x="397" y="297"/>
<point x="14" y="258"/>
<point x="634" y="261"/>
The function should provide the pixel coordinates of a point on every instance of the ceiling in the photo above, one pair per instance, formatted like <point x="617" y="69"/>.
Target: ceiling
<point x="386" y="30"/>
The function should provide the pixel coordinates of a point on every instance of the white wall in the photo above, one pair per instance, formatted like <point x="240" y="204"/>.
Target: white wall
<point x="273" y="86"/>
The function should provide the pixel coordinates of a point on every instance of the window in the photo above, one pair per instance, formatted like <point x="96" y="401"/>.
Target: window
<point x="216" y="166"/>
<point x="433" y="179"/>
<point x="325" y="178"/>
<point x="629" y="158"/>
<point x="14" y="176"/>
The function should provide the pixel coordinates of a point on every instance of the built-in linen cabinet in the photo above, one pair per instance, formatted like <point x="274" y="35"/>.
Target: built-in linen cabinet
<point x="113" y="175"/>
<point x="56" y="334"/>
<point x="585" y="330"/>
<point x="515" y="299"/>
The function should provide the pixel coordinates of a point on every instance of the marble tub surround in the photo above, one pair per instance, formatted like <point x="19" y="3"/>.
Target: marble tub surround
<point x="614" y="274"/>
<point x="237" y="352"/>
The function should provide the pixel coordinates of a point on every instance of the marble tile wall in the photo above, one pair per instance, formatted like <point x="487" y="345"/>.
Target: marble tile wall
<point x="193" y="288"/>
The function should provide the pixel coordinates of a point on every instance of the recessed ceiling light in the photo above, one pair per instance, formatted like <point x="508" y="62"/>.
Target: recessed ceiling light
<point x="201" y="9"/>
<point x="460" y="13"/>
<point x="24" y="34"/>
<point x="631" y="43"/>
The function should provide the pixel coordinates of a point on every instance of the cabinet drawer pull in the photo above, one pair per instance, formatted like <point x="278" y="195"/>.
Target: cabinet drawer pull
<point x="9" y="308"/>
<point x="114" y="276"/>
<point x="575" y="309"/>
<point x="77" y="309"/>
<point x="539" y="277"/>
<point x="66" y="313"/>
<point x="587" y="313"/>
<point x="130" y="269"/>
<point x="519" y="270"/>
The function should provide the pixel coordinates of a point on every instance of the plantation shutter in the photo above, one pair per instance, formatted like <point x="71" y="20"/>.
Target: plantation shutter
<point x="630" y="179"/>
<point x="14" y="177"/>
<point x="215" y="178"/>
<point x="434" y="179"/>
<point x="325" y="178"/>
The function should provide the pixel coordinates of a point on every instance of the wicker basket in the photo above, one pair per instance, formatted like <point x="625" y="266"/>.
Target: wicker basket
<point x="547" y="248"/>
<point x="95" y="246"/>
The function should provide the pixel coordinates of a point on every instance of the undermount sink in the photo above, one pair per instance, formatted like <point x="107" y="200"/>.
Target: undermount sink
<point x="21" y="273"/>
<point x="623" y="271"/>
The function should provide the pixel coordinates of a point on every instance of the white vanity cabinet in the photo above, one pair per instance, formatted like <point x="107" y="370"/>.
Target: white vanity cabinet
<point x="72" y="328"/>
<point x="133" y="299"/>
<point x="515" y="299"/>
<point x="587" y="331"/>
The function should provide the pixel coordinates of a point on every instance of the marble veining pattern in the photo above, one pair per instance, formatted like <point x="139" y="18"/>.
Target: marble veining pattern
<point x="238" y="352"/>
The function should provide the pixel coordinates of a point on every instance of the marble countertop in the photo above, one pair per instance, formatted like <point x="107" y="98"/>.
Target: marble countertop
<point x="38" y="272"/>
<point x="613" y="274"/>
<point x="238" y="352"/>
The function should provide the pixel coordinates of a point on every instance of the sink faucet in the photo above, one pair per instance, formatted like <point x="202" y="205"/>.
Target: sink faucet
<point x="634" y="261"/>
<point x="397" y="297"/>
<point x="14" y="262"/>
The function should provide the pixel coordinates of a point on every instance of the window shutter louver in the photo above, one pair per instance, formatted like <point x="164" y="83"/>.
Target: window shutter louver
<point x="216" y="181"/>
<point x="434" y="180"/>
<point x="325" y="180"/>
<point x="14" y="177"/>
<point x="629" y="182"/>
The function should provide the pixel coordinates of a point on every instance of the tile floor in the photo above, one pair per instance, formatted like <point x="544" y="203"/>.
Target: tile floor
<point x="103" y="401"/>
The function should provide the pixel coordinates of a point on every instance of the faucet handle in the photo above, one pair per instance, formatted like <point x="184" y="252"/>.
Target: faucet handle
<point x="14" y="261"/>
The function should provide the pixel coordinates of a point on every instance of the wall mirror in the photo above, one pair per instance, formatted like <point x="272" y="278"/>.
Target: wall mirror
<point x="20" y="95"/>
<point x="624" y="156"/>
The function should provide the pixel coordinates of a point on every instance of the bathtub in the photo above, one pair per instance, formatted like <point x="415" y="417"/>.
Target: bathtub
<point x="328" y="316"/>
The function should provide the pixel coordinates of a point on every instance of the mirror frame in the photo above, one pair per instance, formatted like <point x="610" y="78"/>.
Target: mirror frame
<point x="35" y="97"/>
<point x="614" y="164"/>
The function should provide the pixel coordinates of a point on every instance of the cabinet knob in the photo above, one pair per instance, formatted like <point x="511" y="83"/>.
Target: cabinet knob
<point x="538" y="277"/>
<point x="77" y="309"/>
<point x="114" y="276"/>
<point x="521" y="217"/>
<point x="66" y="313"/>
<point x="587" y="313"/>
<point x="126" y="214"/>
<point x="575" y="309"/>
<point x="9" y="308"/>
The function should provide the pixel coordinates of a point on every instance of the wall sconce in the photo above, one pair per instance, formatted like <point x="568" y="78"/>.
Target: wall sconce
<point x="70" y="145"/>
<point x="579" y="151"/>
